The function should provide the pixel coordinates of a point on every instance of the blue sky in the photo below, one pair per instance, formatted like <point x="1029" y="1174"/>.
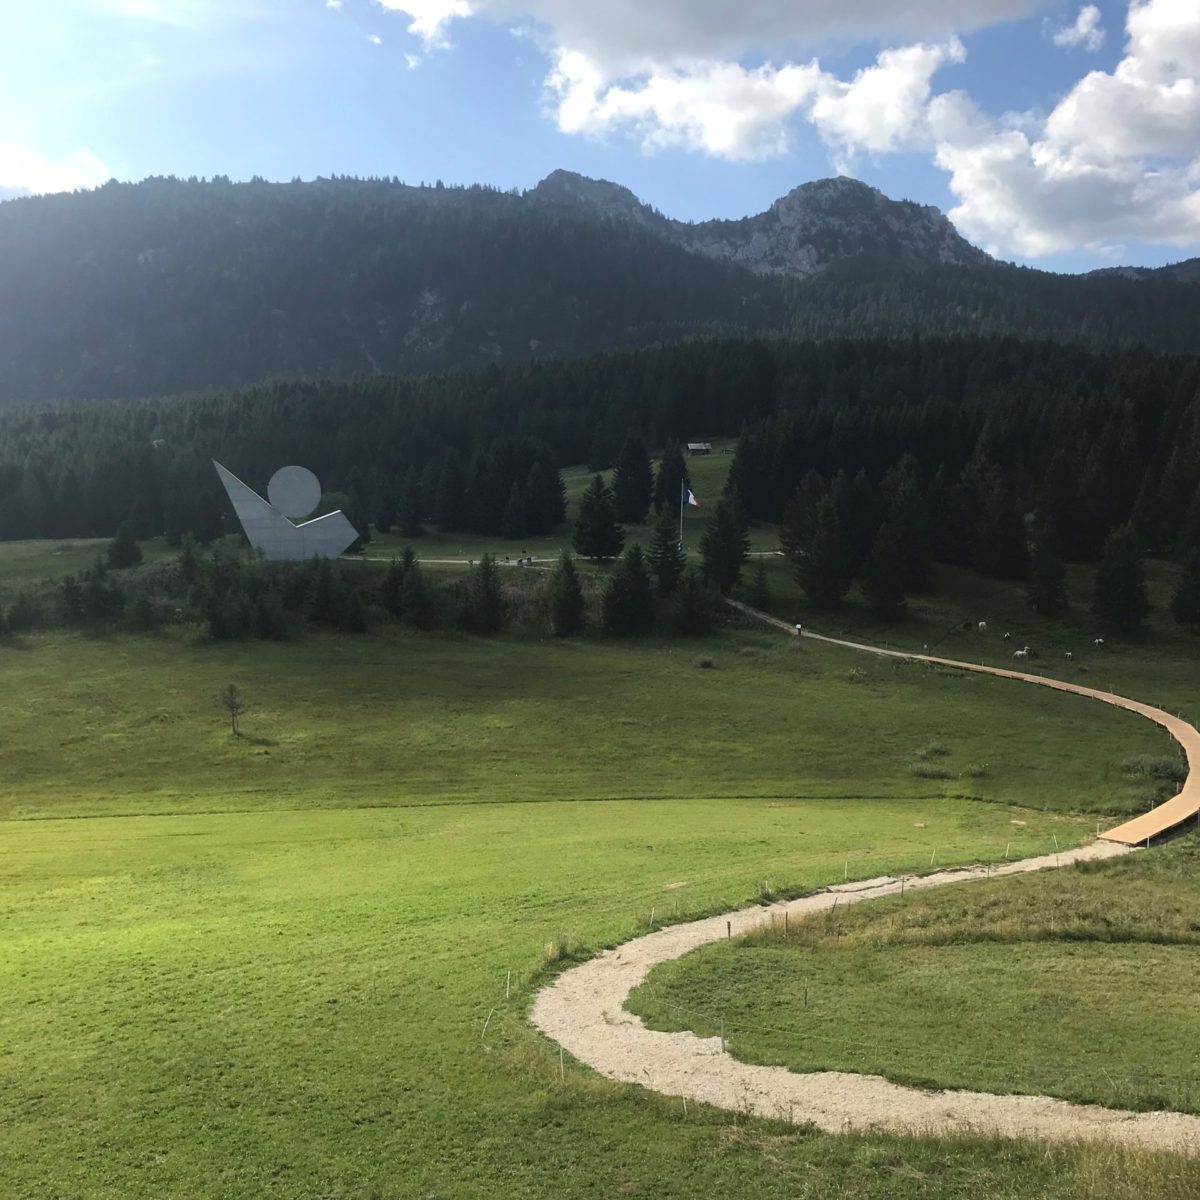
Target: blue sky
<point x="1059" y="134"/>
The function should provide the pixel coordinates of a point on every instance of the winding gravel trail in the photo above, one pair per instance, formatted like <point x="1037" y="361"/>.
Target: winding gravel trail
<point x="584" y="1008"/>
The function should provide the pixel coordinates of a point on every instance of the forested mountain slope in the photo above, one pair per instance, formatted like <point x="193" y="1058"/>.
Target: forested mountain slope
<point x="170" y="286"/>
<point x="167" y="286"/>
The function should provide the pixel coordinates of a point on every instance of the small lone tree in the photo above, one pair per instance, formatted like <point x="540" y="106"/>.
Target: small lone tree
<point x="693" y="606"/>
<point x="123" y="550"/>
<point x="483" y="611"/>
<point x="597" y="534"/>
<point x="234" y="705"/>
<point x="566" y="599"/>
<point x="760" y="587"/>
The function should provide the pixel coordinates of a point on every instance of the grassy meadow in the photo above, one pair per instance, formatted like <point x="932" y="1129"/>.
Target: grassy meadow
<point x="1078" y="984"/>
<point x="296" y="963"/>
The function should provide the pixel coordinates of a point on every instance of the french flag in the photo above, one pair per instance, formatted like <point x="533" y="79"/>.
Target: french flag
<point x="688" y="496"/>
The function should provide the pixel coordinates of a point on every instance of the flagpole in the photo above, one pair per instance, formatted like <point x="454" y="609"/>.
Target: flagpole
<point x="681" y="516"/>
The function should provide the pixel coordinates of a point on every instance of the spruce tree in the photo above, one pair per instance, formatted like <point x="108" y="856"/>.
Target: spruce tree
<point x="566" y="599"/>
<point x="882" y="577"/>
<point x="693" y="606"/>
<point x="628" y="602"/>
<point x="392" y="589"/>
<point x="123" y="550"/>
<point x="484" y="608"/>
<point x="597" y="534"/>
<point x="1047" y="591"/>
<point x="326" y="594"/>
<point x="672" y="477"/>
<point x="906" y="509"/>
<point x="1185" y="600"/>
<point x="416" y="604"/>
<point x="724" y="547"/>
<point x="1120" y="599"/>
<point x="633" y="482"/>
<point x="820" y="565"/>
<point x="667" y="560"/>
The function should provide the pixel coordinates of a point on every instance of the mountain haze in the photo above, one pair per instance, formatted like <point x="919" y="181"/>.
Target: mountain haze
<point x="169" y="285"/>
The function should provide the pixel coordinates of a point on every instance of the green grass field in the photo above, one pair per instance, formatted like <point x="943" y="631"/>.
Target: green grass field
<point x="133" y="724"/>
<point x="272" y="976"/>
<point x="1078" y="984"/>
<point x="263" y="966"/>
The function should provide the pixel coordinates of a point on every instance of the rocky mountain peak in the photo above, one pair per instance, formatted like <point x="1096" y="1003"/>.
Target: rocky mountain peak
<point x="600" y="195"/>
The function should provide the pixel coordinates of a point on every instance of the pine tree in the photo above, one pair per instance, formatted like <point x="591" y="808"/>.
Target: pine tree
<point x="820" y="566"/>
<point x="692" y="606"/>
<point x="633" y="482"/>
<point x="512" y="524"/>
<point x="326" y="594"/>
<point x="883" y="576"/>
<point x="671" y="479"/>
<point x="667" y="560"/>
<point x="123" y="550"/>
<point x="1120" y="599"/>
<point x="724" y="547"/>
<point x="1185" y="600"/>
<point x="416" y="604"/>
<point x="597" y="534"/>
<point x="484" y="608"/>
<point x="392" y="589"/>
<point x="1047" y="592"/>
<point x="628" y="602"/>
<point x="906" y="509"/>
<point x="566" y="599"/>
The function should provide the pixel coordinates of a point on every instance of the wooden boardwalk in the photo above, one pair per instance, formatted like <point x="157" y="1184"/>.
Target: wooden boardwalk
<point x="1139" y="831"/>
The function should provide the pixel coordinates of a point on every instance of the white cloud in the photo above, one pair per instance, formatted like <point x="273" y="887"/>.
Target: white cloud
<point x="883" y="108"/>
<point x="428" y="19"/>
<point x="25" y="172"/>
<point x="1086" y="32"/>
<point x="1118" y="159"/>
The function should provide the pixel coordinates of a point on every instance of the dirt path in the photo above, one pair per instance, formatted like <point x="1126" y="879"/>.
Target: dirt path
<point x="584" y="1010"/>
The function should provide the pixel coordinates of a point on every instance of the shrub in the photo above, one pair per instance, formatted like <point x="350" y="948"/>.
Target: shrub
<point x="705" y="664"/>
<point x="1155" y="766"/>
<point x="930" y="771"/>
<point x="975" y="771"/>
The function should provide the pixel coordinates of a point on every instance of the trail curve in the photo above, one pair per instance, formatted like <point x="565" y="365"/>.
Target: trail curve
<point x="584" y="1008"/>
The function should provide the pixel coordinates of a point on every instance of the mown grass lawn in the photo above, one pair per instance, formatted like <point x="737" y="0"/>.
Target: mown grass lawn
<point x="264" y="966"/>
<point x="1079" y="984"/>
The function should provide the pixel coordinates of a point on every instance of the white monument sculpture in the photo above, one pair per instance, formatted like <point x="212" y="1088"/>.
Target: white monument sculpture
<point x="292" y="494"/>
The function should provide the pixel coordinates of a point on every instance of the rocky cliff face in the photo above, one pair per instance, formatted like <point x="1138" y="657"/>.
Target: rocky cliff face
<point x="812" y="227"/>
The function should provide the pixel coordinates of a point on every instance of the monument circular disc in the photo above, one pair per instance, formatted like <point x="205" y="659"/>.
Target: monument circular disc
<point x="294" y="491"/>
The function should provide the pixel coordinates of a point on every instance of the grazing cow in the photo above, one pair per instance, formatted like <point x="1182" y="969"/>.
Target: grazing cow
<point x="1021" y="654"/>
<point x="982" y="627"/>
<point x="1068" y="656"/>
<point x="1008" y="637"/>
<point x="1098" y="643"/>
<point x="1030" y="652"/>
